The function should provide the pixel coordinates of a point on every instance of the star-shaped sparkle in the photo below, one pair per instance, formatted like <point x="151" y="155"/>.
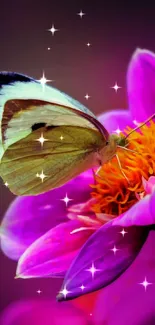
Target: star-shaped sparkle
<point x="88" y="44"/>
<point x="53" y="30"/>
<point x="123" y="232"/>
<point x="61" y="138"/>
<point x="41" y="139"/>
<point x="6" y="184"/>
<point x="145" y="283"/>
<point x="118" y="131"/>
<point x="81" y="14"/>
<point x="48" y="48"/>
<point x="116" y="87"/>
<point x="114" y="249"/>
<point x="43" y="80"/>
<point x="66" y="199"/>
<point x="41" y="176"/>
<point x="93" y="270"/>
<point x="87" y="96"/>
<point x="82" y="287"/>
<point x="65" y="292"/>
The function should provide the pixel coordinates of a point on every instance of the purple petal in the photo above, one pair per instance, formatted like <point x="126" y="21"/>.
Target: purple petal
<point x="44" y="312"/>
<point x="98" y="250"/>
<point x="141" y="84"/>
<point x="30" y="217"/>
<point x="126" y="295"/>
<point x="140" y="214"/>
<point x="118" y="119"/>
<point x="52" y="254"/>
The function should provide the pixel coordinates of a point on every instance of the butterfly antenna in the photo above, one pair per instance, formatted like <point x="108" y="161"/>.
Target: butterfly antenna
<point x="139" y="126"/>
<point x="121" y="169"/>
<point x="130" y="150"/>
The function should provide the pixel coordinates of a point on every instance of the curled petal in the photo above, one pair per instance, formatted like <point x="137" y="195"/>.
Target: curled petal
<point x="141" y="84"/>
<point x="139" y="214"/>
<point x="52" y="254"/>
<point x="149" y="185"/>
<point x="118" y="119"/>
<point x="97" y="252"/>
<point x="30" y="217"/>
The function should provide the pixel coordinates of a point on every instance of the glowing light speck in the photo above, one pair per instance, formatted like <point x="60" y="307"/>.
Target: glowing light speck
<point x="118" y="131"/>
<point x="145" y="283"/>
<point x="43" y="80"/>
<point x="88" y="44"/>
<point x="66" y="199"/>
<point x="114" y="249"/>
<point x="87" y="96"/>
<point x="39" y="291"/>
<point x="81" y="14"/>
<point x="41" y="139"/>
<point x="64" y="292"/>
<point x="93" y="270"/>
<point x="41" y="176"/>
<point x="6" y="184"/>
<point x="116" y="87"/>
<point x="123" y="232"/>
<point x="61" y="138"/>
<point x="82" y="287"/>
<point x="53" y="30"/>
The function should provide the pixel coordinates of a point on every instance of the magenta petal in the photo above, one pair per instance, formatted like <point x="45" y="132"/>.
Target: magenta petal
<point x="52" y="254"/>
<point x="98" y="252"/>
<point x="118" y="119"/>
<point x="127" y="296"/>
<point x="140" y="214"/>
<point x="141" y="84"/>
<point x="43" y="312"/>
<point x="30" y="217"/>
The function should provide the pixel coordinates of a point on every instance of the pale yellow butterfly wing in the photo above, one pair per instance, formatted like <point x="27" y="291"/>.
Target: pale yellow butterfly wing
<point x="68" y="151"/>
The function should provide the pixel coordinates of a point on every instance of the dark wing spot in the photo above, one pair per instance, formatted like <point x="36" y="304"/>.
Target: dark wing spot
<point x="37" y="126"/>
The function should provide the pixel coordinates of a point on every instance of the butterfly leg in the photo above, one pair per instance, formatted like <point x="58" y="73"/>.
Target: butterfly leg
<point x="119" y="163"/>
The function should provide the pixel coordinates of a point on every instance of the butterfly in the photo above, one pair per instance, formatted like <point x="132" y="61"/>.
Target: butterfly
<point x="47" y="138"/>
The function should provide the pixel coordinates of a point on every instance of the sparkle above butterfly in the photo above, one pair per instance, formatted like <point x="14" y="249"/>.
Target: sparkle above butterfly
<point x="46" y="132"/>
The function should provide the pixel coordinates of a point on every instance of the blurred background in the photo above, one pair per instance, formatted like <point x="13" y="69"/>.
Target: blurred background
<point x="114" y="32"/>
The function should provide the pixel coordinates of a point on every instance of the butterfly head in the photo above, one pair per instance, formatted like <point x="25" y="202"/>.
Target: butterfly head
<point x="109" y="150"/>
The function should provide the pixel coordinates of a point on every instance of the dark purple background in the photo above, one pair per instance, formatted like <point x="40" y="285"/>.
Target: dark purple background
<point x="114" y="32"/>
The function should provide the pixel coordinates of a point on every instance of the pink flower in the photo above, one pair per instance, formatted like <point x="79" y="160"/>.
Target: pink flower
<point x="50" y="239"/>
<point x="44" y="312"/>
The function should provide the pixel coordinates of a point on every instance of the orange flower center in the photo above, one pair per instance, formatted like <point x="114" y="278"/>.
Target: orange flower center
<point x="113" y="193"/>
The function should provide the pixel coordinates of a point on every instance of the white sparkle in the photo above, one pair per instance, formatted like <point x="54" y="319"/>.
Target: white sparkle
<point x="81" y="14"/>
<point x="88" y="44"/>
<point x="93" y="270"/>
<point x="116" y="87"/>
<point x="82" y="287"/>
<point x="87" y="96"/>
<point x="6" y="184"/>
<point x="41" y="176"/>
<point x="123" y="232"/>
<point x="91" y="314"/>
<point x="61" y="138"/>
<point x="41" y="139"/>
<point x="39" y="291"/>
<point x="48" y="48"/>
<point x="43" y="80"/>
<point x="114" y="249"/>
<point x="145" y="283"/>
<point x="65" y="292"/>
<point x="53" y="30"/>
<point x="66" y="199"/>
<point x="118" y="131"/>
